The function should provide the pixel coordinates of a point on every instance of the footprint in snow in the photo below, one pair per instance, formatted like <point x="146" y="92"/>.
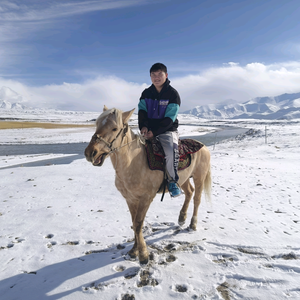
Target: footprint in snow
<point x="50" y="244"/>
<point x="181" y="288"/>
<point x="18" y="240"/>
<point x="176" y="246"/>
<point x="289" y="256"/>
<point x="222" y="258"/>
<point x="72" y="243"/>
<point x="49" y="236"/>
<point x="119" y="268"/>
<point x="127" y="297"/>
<point x="131" y="272"/>
<point x="7" y="247"/>
<point x="146" y="278"/>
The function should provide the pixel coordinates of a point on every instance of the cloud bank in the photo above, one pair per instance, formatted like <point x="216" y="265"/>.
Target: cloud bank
<point x="240" y="83"/>
<point x="91" y="95"/>
<point x="213" y="85"/>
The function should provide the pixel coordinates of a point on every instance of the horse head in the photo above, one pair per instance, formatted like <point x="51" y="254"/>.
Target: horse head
<point x="111" y="127"/>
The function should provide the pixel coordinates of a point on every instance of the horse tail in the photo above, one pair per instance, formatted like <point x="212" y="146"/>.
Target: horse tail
<point x="207" y="185"/>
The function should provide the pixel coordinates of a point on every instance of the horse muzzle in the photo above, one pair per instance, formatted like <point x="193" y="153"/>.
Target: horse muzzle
<point x="98" y="161"/>
<point x="92" y="155"/>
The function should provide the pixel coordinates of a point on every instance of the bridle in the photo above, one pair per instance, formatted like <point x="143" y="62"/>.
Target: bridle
<point x="99" y="139"/>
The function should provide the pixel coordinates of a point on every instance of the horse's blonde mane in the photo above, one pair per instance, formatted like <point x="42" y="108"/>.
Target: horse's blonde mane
<point x="106" y="113"/>
<point x="118" y="115"/>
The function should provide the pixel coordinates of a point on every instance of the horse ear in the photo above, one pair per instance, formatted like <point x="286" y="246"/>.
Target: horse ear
<point x="105" y="108"/>
<point x="126" y="116"/>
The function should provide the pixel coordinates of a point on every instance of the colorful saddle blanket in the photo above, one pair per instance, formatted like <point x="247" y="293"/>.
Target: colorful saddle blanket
<point x="156" y="155"/>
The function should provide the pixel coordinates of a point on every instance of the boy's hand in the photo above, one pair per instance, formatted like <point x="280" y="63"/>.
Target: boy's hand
<point x="146" y="134"/>
<point x="149" y="135"/>
<point x="144" y="131"/>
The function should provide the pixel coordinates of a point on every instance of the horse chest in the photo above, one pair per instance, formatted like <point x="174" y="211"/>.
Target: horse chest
<point x="129" y="182"/>
<point x="124" y="185"/>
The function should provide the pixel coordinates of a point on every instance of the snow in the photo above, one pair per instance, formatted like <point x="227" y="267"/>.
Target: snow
<point x="65" y="229"/>
<point x="7" y="94"/>
<point x="257" y="108"/>
<point x="190" y="125"/>
<point x="48" y="115"/>
<point x="45" y="136"/>
<point x="296" y="102"/>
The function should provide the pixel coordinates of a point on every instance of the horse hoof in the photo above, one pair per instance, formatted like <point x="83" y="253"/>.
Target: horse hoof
<point x="181" y="223"/>
<point x="181" y="219"/>
<point x="193" y="227"/>
<point x="144" y="262"/>
<point x="132" y="254"/>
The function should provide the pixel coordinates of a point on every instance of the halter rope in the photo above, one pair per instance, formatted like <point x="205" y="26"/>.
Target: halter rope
<point x="99" y="139"/>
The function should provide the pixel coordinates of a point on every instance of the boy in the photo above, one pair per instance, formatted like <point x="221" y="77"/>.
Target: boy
<point x="157" y="115"/>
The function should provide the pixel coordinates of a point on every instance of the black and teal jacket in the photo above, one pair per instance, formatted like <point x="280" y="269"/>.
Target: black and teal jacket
<point x="158" y="111"/>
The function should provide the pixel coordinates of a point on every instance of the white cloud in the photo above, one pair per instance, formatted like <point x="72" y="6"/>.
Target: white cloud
<point x="91" y="95"/>
<point x="18" y="21"/>
<point x="231" y="81"/>
<point x="45" y="10"/>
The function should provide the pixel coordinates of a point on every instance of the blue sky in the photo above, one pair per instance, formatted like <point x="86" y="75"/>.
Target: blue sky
<point x="83" y="54"/>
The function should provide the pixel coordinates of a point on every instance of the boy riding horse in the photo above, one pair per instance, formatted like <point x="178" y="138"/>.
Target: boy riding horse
<point x="157" y="116"/>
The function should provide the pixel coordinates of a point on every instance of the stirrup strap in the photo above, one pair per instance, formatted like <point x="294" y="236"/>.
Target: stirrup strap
<point x="164" y="181"/>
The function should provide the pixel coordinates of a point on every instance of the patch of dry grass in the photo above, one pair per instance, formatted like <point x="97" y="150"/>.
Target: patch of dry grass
<point x="23" y="124"/>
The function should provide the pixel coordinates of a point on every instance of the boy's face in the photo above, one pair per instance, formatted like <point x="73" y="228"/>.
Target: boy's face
<point x="158" y="78"/>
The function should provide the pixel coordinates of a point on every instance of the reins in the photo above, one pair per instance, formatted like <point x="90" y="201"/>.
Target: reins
<point x="99" y="139"/>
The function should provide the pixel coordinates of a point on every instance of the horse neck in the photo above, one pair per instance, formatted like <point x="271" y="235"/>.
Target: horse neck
<point x="122" y="158"/>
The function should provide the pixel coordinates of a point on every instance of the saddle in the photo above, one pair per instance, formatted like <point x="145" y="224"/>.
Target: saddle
<point x="155" y="153"/>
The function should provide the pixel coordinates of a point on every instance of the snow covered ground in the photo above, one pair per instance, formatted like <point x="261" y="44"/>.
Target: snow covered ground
<point x="45" y="115"/>
<point x="190" y="125"/>
<point x="65" y="229"/>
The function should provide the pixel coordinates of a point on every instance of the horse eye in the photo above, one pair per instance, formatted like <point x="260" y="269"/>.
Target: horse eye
<point x="115" y="129"/>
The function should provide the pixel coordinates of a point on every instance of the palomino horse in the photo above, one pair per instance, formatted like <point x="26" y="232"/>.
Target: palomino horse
<point x="135" y="181"/>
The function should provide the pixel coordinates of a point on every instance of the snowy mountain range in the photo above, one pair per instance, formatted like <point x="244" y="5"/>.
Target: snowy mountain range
<point x="9" y="99"/>
<point x="286" y="106"/>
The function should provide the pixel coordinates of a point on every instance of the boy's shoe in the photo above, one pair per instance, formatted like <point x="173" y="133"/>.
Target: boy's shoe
<point x="174" y="190"/>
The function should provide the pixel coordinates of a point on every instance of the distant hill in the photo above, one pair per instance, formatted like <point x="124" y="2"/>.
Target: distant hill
<point x="286" y="106"/>
<point x="9" y="99"/>
<point x="12" y="107"/>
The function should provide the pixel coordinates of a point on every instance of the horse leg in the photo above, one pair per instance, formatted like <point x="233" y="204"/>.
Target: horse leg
<point x="138" y="229"/>
<point x="133" y="253"/>
<point x="188" y="191"/>
<point x="197" y="200"/>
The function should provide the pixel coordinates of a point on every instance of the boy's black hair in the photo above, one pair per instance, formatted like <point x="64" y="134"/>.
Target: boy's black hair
<point x="157" y="67"/>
